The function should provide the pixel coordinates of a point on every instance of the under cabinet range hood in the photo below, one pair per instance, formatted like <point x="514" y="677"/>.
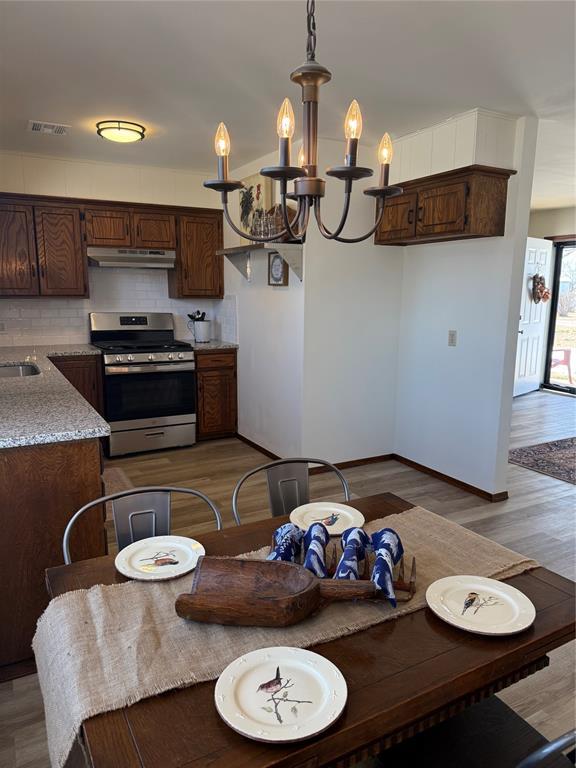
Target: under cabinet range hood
<point x="131" y="257"/>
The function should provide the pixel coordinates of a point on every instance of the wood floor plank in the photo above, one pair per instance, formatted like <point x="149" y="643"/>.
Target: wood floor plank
<point x="537" y="519"/>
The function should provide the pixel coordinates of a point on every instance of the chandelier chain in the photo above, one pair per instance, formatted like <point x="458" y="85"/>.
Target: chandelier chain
<point x="311" y="24"/>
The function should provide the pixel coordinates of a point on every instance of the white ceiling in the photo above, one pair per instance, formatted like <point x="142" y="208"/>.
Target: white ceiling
<point x="181" y="67"/>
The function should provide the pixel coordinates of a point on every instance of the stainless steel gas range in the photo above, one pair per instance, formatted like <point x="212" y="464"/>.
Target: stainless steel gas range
<point x="149" y="381"/>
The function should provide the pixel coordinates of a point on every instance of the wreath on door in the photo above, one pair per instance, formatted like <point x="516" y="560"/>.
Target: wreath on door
<point x="540" y="291"/>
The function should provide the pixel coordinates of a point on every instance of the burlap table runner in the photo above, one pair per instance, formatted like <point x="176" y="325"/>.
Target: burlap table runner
<point x="110" y="646"/>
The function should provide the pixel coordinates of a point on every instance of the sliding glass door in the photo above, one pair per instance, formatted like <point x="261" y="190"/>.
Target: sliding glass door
<point x="561" y="351"/>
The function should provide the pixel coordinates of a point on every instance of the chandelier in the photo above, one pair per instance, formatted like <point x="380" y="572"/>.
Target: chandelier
<point x="309" y="188"/>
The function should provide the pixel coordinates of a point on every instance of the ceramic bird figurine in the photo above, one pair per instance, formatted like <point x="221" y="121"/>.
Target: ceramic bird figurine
<point x="333" y="518"/>
<point x="272" y="686"/>
<point x="469" y="602"/>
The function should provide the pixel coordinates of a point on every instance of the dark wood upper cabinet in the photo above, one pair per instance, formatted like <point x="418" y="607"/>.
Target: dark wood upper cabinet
<point x="455" y="205"/>
<point x="217" y="398"/>
<point x="84" y="372"/>
<point x="399" y="220"/>
<point x="108" y="227"/>
<point x="199" y="270"/>
<point x="442" y="209"/>
<point x="154" y="230"/>
<point x="18" y="267"/>
<point x="61" y="258"/>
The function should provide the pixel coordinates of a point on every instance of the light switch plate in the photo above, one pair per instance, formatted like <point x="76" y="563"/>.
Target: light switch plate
<point x="452" y="338"/>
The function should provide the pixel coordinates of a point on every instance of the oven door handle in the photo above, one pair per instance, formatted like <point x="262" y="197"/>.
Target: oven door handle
<point x="121" y="370"/>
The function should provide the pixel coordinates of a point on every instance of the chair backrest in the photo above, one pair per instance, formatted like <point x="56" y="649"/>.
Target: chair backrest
<point x="288" y="484"/>
<point x="138" y="514"/>
<point x="541" y="757"/>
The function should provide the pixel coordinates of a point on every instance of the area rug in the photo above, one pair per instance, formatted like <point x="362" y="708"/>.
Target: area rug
<point x="557" y="458"/>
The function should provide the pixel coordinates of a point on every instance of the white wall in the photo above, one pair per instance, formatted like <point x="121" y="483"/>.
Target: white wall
<point x="454" y="403"/>
<point x="49" y="320"/>
<point x="552" y="222"/>
<point x="41" y="175"/>
<point x="351" y="323"/>
<point x="270" y="354"/>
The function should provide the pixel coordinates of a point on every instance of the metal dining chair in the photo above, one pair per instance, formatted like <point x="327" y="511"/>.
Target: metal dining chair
<point x="288" y="484"/>
<point x="138" y="514"/>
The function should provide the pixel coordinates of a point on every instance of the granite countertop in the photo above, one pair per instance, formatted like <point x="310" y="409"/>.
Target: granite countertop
<point x="45" y="408"/>
<point x="214" y="344"/>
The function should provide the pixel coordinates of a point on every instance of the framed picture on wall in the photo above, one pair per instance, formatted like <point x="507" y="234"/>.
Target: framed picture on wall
<point x="277" y="270"/>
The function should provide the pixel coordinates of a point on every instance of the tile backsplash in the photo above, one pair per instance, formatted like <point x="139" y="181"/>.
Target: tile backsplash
<point x="56" y="320"/>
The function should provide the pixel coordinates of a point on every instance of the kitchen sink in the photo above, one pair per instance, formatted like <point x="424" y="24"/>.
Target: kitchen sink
<point x="18" y="370"/>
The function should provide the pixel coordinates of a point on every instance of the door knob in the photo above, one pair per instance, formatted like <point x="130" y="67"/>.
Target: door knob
<point x="520" y="331"/>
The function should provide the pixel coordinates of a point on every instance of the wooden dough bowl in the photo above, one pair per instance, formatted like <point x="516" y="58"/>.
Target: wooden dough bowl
<point x="261" y="593"/>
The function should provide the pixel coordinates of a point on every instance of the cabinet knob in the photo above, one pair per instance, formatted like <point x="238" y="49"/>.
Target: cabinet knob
<point x="420" y="212"/>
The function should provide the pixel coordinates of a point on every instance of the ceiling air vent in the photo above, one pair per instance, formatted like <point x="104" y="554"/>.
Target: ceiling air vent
<point x="55" y="129"/>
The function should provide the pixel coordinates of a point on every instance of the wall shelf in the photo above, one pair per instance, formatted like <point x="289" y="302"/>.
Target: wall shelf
<point x="292" y="253"/>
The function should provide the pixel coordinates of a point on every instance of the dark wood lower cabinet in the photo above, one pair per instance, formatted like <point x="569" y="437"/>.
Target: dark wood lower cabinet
<point x="85" y="373"/>
<point x="41" y="486"/>
<point x="217" y="398"/>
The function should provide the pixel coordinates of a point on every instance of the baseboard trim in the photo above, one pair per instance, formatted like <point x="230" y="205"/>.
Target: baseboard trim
<point x="354" y="463"/>
<point x="493" y="497"/>
<point x="257" y="447"/>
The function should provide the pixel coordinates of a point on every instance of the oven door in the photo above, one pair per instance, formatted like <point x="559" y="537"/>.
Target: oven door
<point x="134" y="392"/>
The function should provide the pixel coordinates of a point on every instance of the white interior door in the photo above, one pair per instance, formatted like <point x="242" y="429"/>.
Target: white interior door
<point x="533" y="324"/>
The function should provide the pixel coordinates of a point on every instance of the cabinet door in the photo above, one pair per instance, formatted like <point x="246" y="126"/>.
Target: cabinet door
<point x="84" y="373"/>
<point x="110" y="228"/>
<point x="60" y="252"/>
<point x="399" y="219"/>
<point x="18" y="271"/>
<point x="154" y="230"/>
<point x="442" y="209"/>
<point x="200" y="270"/>
<point x="216" y="403"/>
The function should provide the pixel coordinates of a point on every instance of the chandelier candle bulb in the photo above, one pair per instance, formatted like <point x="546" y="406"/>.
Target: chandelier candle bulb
<point x="285" y="125"/>
<point x="352" y="131"/>
<point x="385" y="154"/>
<point x="222" y="149"/>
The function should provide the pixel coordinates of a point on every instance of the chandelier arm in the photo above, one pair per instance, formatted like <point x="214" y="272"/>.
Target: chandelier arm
<point x="343" y="218"/>
<point x="379" y="214"/>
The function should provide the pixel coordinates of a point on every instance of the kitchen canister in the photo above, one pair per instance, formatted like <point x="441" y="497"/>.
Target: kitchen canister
<point x="202" y="331"/>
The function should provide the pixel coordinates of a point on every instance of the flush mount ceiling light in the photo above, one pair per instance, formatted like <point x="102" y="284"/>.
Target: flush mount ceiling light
<point x="308" y="189"/>
<point x="121" y="131"/>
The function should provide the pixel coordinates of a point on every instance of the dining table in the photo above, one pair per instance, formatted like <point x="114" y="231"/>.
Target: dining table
<point x="404" y="675"/>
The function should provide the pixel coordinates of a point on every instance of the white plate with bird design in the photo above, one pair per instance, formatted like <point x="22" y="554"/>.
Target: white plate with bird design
<point x="158" y="558"/>
<point x="481" y="605"/>
<point x="280" y="694"/>
<point x="336" y="517"/>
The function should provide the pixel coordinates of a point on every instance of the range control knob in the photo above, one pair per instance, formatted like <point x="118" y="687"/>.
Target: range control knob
<point x="118" y="358"/>
<point x="150" y="357"/>
<point x="130" y="357"/>
<point x="170" y="356"/>
<point x="180" y="356"/>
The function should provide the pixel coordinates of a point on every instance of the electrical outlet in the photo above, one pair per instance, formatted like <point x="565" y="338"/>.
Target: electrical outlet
<point x="452" y="338"/>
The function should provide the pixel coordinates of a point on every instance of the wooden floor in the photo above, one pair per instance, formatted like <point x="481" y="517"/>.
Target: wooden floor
<point x="537" y="519"/>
